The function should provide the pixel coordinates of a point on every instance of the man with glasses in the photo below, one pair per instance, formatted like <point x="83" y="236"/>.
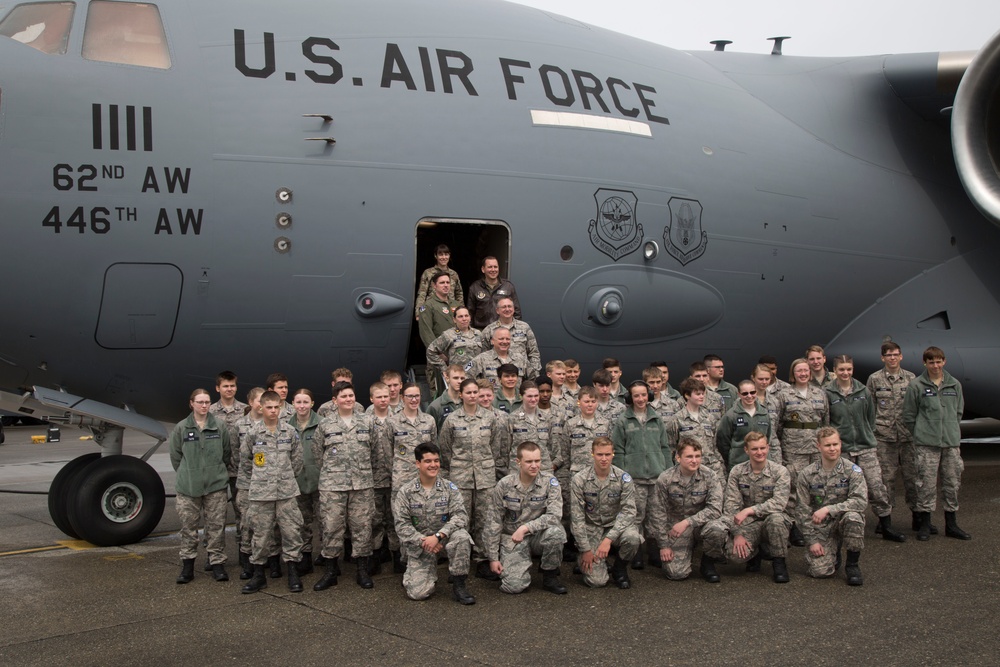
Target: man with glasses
<point x="523" y="346"/>
<point x="716" y="370"/>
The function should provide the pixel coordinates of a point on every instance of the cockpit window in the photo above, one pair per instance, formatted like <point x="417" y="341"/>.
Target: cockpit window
<point x="41" y="25"/>
<point x="130" y="33"/>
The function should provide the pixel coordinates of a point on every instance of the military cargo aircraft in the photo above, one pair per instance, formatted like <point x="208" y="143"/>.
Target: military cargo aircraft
<point x="190" y="187"/>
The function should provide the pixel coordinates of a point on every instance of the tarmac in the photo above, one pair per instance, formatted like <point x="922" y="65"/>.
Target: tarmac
<point x="922" y="603"/>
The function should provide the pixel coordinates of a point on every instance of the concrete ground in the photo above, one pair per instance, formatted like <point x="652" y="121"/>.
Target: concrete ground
<point x="932" y="603"/>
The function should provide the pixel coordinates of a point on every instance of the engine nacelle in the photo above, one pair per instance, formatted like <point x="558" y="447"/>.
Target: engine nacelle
<point x="975" y="130"/>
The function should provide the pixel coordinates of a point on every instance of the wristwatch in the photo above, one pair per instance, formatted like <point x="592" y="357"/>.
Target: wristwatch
<point x="440" y="536"/>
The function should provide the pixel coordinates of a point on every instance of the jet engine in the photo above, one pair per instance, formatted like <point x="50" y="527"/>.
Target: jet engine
<point x="975" y="130"/>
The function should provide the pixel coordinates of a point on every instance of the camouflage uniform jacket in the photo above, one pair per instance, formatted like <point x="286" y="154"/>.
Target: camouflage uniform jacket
<point x="271" y="460"/>
<point x="539" y="506"/>
<point x="609" y="505"/>
<point x="767" y="492"/>
<point x="419" y="513"/>
<point x="887" y="392"/>
<point x="676" y="497"/>
<point x="523" y="346"/>
<point x="406" y="434"/>
<point x="347" y="454"/>
<point x="454" y="347"/>
<point x="237" y="432"/>
<point x="842" y="489"/>
<point x="791" y="411"/>
<point x="472" y="448"/>
<point x="576" y="439"/>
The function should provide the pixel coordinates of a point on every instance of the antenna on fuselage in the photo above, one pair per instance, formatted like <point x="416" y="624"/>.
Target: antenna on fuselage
<point x="720" y="44"/>
<point x="776" y="49"/>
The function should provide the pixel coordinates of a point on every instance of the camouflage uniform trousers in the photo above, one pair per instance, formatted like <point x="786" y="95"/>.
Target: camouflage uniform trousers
<point x="847" y="530"/>
<point x="929" y="461"/>
<point x="516" y="558"/>
<point x="382" y="522"/>
<point x="477" y="505"/>
<point x="878" y="498"/>
<point x="565" y="476"/>
<point x="682" y="546"/>
<point x="339" y="508"/>
<point x="627" y="544"/>
<point x="421" y="567"/>
<point x="644" y="488"/>
<point x="895" y="457"/>
<point x="262" y="516"/>
<point x="772" y="530"/>
<point x="796" y="463"/>
<point x="237" y="510"/>
<point x="246" y="530"/>
<point x="190" y="510"/>
<point x="309" y="508"/>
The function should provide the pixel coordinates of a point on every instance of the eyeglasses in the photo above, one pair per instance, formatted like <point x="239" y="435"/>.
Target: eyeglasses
<point x="748" y="393"/>
<point x="412" y="397"/>
<point x="202" y="402"/>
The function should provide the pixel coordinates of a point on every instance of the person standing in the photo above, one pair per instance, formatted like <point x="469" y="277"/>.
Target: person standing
<point x="487" y="291"/>
<point x="932" y="410"/>
<point x="442" y="256"/>
<point x="456" y="346"/>
<point x="523" y="345"/>
<point x="200" y="454"/>
<point x="896" y="454"/>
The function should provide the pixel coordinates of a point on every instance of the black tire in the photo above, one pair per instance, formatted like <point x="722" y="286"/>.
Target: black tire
<point x="116" y="500"/>
<point x="59" y="498"/>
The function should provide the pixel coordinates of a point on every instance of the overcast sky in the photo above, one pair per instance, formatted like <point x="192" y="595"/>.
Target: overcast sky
<point x="841" y="28"/>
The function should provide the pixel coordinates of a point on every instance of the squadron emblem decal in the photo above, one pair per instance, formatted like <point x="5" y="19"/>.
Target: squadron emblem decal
<point x="616" y="232"/>
<point x="684" y="237"/>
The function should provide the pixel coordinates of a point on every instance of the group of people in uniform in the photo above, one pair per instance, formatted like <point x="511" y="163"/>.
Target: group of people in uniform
<point x="512" y="461"/>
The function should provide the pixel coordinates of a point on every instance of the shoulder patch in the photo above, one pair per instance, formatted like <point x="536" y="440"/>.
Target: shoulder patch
<point x="855" y="468"/>
<point x="626" y="477"/>
<point x="422" y="308"/>
<point x="452" y="485"/>
<point x="553" y="481"/>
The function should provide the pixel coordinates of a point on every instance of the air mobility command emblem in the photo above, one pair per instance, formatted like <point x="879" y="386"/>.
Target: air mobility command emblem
<point x="684" y="237"/>
<point x="615" y="231"/>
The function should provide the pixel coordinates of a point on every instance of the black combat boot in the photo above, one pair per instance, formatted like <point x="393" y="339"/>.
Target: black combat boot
<point x="795" y="537"/>
<point x="319" y="560"/>
<point x="853" y="570"/>
<point x="459" y="591"/>
<point x="330" y="577"/>
<point x="483" y="571"/>
<point x="753" y="565"/>
<point x="551" y="583"/>
<point x="637" y="563"/>
<point x="246" y="569"/>
<point x="916" y="524"/>
<point x="375" y="563"/>
<point x="398" y="566"/>
<point x="779" y="571"/>
<point x="924" y="529"/>
<point x="257" y="582"/>
<point x="707" y="569"/>
<point x="836" y="563"/>
<point x="951" y="528"/>
<point x="653" y="554"/>
<point x="208" y="565"/>
<point x="294" y="583"/>
<point x="187" y="571"/>
<point x="274" y="564"/>
<point x="305" y="564"/>
<point x="619" y="573"/>
<point x="885" y="522"/>
<point x="363" y="578"/>
<point x="219" y="572"/>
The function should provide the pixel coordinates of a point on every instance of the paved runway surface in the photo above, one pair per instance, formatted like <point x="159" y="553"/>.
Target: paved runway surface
<point x="933" y="603"/>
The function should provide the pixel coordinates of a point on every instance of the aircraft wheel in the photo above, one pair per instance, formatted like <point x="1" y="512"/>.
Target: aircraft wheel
<point x="116" y="500"/>
<point x="59" y="498"/>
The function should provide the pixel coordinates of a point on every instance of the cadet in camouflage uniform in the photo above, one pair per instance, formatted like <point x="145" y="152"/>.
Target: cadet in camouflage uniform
<point x="816" y="358"/>
<point x="442" y="255"/>
<point x="717" y="385"/>
<point x="278" y="383"/>
<point x="607" y="406"/>
<point x="749" y="414"/>
<point x="932" y="410"/>
<point x="328" y="408"/>
<point x="524" y="520"/>
<point x="237" y="432"/>
<point x="753" y="512"/>
<point x="528" y="424"/>
<point x="487" y="364"/>
<point x="384" y="540"/>
<point x="227" y="411"/>
<point x="523" y="345"/>
<point x="345" y="446"/>
<point x="696" y="422"/>
<point x="853" y="415"/>
<point x="602" y="511"/>
<point x="305" y="422"/>
<point x="407" y="430"/>
<point x="430" y="516"/>
<point x="456" y="346"/>
<point x="271" y="456"/>
<point x="800" y="409"/>
<point x="578" y="433"/>
<point x="201" y="456"/>
<point x="766" y="385"/>
<point x="450" y="400"/>
<point x="642" y="449"/>
<point x="472" y="445"/>
<point x="685" y="498"/>
<point x="713" y="402"/>
<point x="895" y="444"/>
<point x="664" y="405"/>
<point x="832" y="498"/>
